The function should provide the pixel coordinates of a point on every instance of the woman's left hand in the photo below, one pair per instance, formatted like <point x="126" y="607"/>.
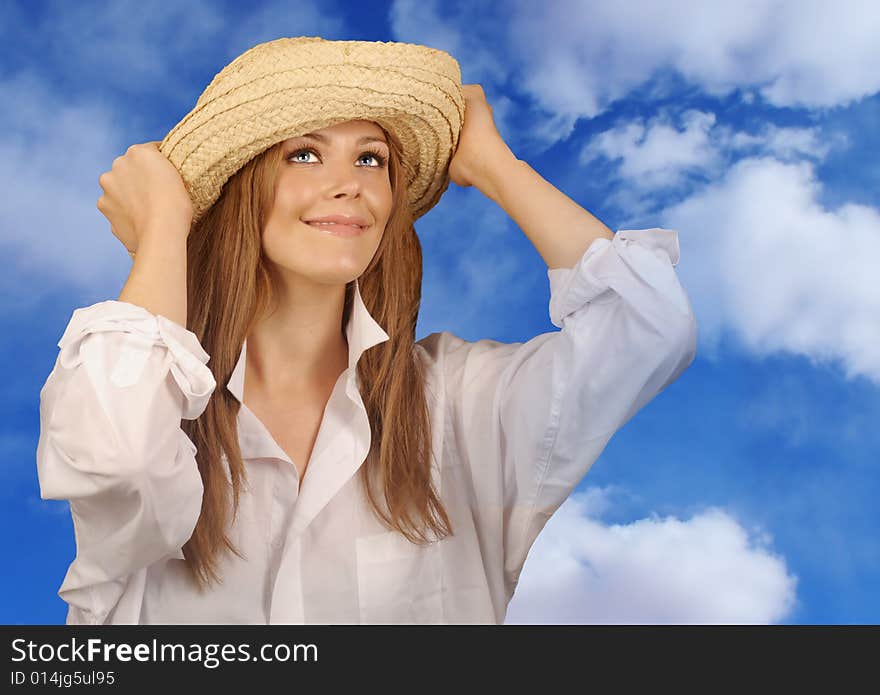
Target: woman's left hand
<point x="479" y="139"/>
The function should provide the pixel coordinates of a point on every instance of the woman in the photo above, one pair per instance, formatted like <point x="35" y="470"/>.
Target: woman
<point x="346" y="473"/>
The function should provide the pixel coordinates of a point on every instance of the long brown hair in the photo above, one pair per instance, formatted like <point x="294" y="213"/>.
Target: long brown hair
<point x="229" y="290"/>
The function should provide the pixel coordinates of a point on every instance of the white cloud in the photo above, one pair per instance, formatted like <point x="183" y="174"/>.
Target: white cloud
<point x="575" y="58"/>
<point x="785" y="143"/>
<point x="763" y="258"/>
<point x="658" y="155"/>
<point x="707" y="569"/>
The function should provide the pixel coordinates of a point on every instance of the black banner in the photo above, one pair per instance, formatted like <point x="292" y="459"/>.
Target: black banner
<point x="132" y="658"/>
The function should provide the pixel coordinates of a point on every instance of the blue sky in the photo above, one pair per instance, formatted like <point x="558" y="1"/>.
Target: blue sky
<point x="746" y="491"/>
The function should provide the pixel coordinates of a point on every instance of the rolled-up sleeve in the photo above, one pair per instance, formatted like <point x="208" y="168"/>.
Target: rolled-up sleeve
<point x="111" y="443"/>
<point x="531" y="418"/>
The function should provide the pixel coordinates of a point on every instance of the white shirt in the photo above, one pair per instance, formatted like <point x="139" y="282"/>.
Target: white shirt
<point x="515" y="427"/>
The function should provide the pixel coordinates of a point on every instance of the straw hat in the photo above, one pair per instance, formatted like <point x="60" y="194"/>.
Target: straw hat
<point x="291" y="86"/>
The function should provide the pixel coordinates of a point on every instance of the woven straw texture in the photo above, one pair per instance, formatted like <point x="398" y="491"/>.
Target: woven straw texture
<point x="291" y="86"/>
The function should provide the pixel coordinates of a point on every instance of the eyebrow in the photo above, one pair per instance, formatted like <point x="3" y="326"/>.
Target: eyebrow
<point x="365" y="138"/>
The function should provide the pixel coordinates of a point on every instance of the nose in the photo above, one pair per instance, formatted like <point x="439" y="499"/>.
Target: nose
<point x="342" y="179"/>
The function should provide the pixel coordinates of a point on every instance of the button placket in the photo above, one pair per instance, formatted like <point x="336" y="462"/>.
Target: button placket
<point x="285" y="490"/>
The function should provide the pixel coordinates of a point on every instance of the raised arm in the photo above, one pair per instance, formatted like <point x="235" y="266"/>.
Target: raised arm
<point x="110" y="436"/>
<point x="530" y="419"/>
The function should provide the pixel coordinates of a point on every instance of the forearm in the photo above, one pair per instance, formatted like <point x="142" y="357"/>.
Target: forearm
<point x="157" y="280"/>
<point x="560" y="229"/>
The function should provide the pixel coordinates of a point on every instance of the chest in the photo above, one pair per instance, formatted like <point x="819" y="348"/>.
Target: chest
<point x="294" y="427"/>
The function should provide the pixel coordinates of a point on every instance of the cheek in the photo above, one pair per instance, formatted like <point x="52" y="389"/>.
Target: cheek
<point x="280" y="231"/>
<point x="383" y="200"/>
<point x="291" y="190"/>
<point x="269" y="239"/>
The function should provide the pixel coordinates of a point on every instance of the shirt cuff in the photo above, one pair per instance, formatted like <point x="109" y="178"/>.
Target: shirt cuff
<point x="189" y="367"/>
<point x="591" y="279"/>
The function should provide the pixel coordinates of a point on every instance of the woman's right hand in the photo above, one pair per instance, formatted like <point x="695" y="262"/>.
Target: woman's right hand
<point x="143" y="187"/>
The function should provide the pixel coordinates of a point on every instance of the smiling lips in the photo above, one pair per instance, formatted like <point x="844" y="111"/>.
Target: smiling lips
<point x="340" y="219"/>
<point x="339" y="225"/>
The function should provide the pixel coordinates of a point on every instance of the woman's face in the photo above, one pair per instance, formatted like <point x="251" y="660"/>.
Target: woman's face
<point x="336" y="175"/>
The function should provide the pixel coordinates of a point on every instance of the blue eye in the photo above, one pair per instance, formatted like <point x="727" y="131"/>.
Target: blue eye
<point x="378" y="156"/>
<point x="294" y="154"/>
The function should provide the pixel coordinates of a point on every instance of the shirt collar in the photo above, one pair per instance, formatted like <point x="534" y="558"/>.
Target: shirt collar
<point x="362" y="332"/>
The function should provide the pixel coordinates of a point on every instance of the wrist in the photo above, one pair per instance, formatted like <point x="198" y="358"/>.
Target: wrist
<point x="163" y="233"/>
<point x="161" y="241"/>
